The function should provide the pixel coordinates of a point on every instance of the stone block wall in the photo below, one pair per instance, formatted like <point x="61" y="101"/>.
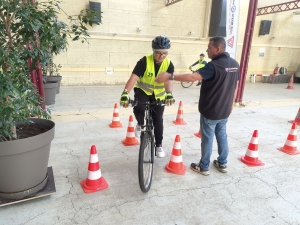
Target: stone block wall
<point x="117" y="44"/>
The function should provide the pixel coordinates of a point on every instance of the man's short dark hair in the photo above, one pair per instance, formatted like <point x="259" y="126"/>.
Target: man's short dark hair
<point x="218" y="42"/>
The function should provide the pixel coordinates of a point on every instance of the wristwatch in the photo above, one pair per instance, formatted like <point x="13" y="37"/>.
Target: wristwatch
<point x="171" y="77"/>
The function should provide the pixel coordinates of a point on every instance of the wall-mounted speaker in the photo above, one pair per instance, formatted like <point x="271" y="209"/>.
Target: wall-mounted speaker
<point x="265" y="26"/>
<point x="97" y="7"/>
<point x="217" y="24"/>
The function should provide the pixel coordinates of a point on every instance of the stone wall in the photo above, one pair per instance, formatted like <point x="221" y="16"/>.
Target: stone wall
<point x="116" y="45"/>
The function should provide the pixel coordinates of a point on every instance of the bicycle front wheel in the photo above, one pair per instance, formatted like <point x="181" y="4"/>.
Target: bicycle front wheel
<point x="146" y="159"/>
<point x="186" y="84"/>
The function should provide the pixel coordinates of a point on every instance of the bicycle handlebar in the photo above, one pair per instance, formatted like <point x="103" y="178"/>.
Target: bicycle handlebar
<point x="135" y="102"/>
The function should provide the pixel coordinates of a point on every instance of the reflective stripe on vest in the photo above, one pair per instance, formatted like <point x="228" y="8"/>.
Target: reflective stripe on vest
<point x="147" y="83"/>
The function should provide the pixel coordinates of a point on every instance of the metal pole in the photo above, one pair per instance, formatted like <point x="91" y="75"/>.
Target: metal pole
<point x="32" y="74"/>
<point x="36" y="76"/>
<point x="41" y="84"/>
<point x="39" y="73"/>
<point x="246" y="48"/>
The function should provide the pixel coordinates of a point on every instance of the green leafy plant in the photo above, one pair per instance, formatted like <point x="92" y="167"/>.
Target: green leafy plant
<point x="51" y="69"/>
<point x="31" y="30"/>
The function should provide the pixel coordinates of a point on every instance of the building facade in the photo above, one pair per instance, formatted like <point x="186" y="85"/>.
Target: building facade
<point x="128" y="27"/>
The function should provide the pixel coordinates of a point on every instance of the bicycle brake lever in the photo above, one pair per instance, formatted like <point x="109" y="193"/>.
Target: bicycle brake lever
<point x="160" y="102"/>
<point x="135" y="102"/>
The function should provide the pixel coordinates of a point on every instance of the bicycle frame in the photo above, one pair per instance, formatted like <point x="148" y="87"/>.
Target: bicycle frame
<point x="148" y="126"/>
<point x="148" y="117"/>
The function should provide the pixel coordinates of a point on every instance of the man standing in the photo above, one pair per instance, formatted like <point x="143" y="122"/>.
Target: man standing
<point x="148" y="90"/>
<point x="201" y="64"/>
<point x="220" y="79"/>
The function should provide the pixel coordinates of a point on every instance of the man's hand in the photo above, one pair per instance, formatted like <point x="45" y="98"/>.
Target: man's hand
<point x="163" y="77"/>
<point x="124" y="100"/>
<point x="169" y="99"/>
<point x="190" y="68"/>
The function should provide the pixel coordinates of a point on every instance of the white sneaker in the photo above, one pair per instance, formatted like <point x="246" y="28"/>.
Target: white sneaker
<point x="160" y="152"/>
<point x="137" y="131"/>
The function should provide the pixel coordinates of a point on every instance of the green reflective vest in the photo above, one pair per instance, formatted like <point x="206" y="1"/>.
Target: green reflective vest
<point x="147" y="83"/>
<point x="201" y="65"/>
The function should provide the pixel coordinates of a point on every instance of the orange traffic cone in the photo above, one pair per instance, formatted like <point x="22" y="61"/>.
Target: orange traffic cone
<point x="179" y="119"/>
<point x="291" y="82"/>
<point x="290" y="146"/>
<point x="175" y="164"/>
<point x="198" y="134"/>
<point x="251" y="156"/>
<point x="297" y="118"/>
<point x="130" y="136"/>
<point x="94" y="181"/>
<point x="116" y="120"/>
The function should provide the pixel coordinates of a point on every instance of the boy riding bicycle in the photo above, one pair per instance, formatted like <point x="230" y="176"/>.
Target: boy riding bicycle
<point x="201" y="63"/>
<point x="146" y="89"/>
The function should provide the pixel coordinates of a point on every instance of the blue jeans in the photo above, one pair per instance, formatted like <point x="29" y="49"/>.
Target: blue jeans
<point x="208" y="129"/>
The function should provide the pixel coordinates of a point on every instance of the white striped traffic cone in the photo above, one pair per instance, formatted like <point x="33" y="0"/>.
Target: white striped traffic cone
<point x="251" y="156"/>
<point x="179" y="119"/>
<point x="290" y="85"/>
<point x="130" y="136"/>
<point x="290" y="146"/>
<point x="175" y="164"/>
<point x="297" y="118"/>
<point x="198" y="134"/>
<point x="116" y="119"/>
<point x="94" y="181"/>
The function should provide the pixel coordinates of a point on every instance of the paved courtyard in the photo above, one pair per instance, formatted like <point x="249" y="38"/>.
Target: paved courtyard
<point x="268" y="194"/>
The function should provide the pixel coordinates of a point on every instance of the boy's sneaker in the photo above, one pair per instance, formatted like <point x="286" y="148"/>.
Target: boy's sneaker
<point x="221" y="167"/>
<point x="137" y="131"/>
<point x="196" y="167"/>
<point x="160" y="152"/>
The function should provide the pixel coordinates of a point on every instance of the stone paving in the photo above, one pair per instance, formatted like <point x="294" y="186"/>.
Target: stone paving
<point x="268" y="194"/>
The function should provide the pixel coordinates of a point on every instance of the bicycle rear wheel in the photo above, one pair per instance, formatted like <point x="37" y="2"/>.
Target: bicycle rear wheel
<point x="146" y="159"/>
<point x="186" y="84"/>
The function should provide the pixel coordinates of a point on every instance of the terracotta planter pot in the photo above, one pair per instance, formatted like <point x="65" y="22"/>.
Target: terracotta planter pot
<point x="24" y="162"/>
<point x="55" y="79"/>
<point x="50" y="92"/>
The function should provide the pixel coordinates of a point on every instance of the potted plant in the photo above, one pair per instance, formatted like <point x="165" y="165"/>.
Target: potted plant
<point x="52" y="73"/>
<point x="51" y="79"/>
<point x="29" y="32"/>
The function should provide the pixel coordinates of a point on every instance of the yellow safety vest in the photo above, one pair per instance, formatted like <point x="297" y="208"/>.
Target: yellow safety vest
<point x="200" y="64"/>
<point x="147" y="83"/>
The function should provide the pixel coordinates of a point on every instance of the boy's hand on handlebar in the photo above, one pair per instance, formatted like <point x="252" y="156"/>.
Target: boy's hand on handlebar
<point x="169" y="99"/>
<point x="124" y="100"/>
<point x="190" y="68"/>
